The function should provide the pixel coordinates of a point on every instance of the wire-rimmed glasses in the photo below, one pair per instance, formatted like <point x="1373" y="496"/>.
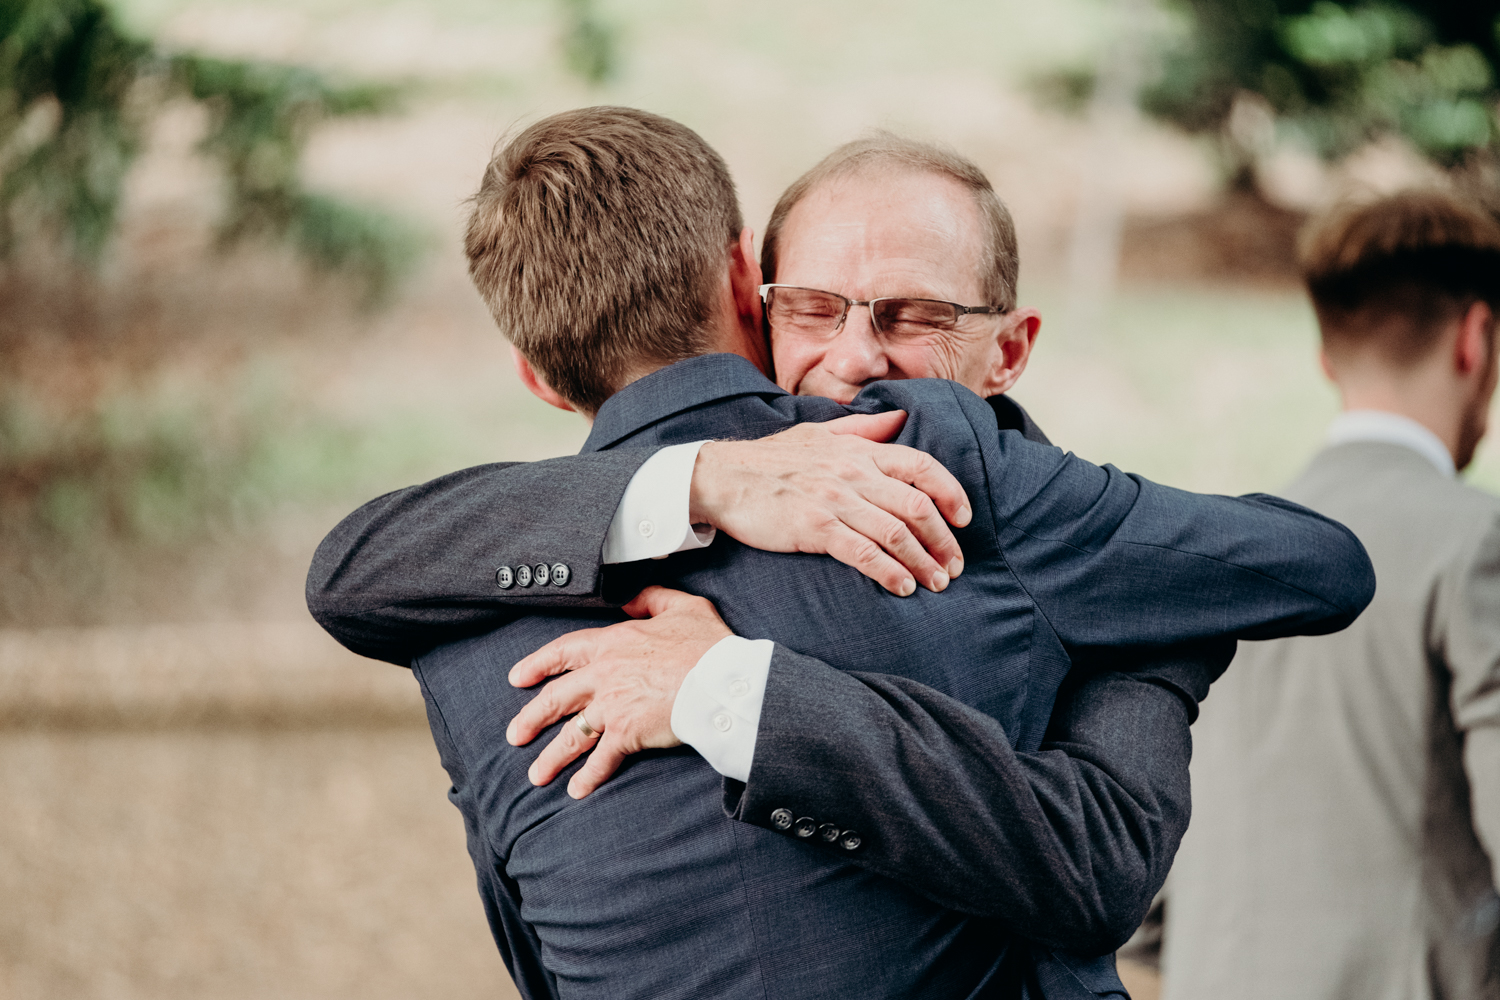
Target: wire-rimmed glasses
<point x="819" y="315"/>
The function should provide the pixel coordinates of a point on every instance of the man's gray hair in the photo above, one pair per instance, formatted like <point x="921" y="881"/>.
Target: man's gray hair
<point x="885" y="152"/>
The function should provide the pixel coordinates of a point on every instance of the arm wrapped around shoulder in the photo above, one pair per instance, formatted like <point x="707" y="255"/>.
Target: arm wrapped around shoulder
<point x="1113" y="559"/>
<point x="1064" y="847"/>
<point x="463" y="554"/>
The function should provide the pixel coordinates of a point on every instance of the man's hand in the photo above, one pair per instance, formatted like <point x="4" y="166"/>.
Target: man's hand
<point x="622" y="679"/>
<point x="834" y="488"/>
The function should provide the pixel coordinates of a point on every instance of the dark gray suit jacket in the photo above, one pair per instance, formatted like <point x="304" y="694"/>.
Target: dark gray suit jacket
<point x="1106" y="809"/>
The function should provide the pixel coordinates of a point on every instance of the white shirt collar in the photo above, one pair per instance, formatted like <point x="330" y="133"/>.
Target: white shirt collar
<point x="1391" y="428"/>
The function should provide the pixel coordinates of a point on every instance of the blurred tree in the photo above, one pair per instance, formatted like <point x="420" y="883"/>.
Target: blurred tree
<point x="1336" y="76"/>
<point x="77" y="93"/>
<point x="588" y="43"/>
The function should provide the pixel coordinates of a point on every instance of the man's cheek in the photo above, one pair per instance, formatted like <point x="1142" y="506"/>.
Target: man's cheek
<point x="791" y="365"/>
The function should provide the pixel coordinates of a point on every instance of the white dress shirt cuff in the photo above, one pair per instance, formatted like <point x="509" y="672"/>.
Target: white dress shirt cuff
<point x="652" y="519"/>
<point x="717" y="709"/>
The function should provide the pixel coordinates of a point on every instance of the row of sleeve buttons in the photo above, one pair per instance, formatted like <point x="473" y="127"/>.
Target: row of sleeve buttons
<point x="541" y="574"/>
<point x="806" y="826"/>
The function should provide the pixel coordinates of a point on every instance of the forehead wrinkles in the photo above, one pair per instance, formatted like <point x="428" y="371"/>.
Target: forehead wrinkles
<point x="884" y="225"/>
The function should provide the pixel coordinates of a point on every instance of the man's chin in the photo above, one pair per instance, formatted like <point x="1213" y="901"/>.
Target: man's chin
<point x="839" y="393"/>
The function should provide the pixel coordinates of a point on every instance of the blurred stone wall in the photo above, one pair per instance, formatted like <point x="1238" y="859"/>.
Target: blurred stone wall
<point x="226" y="811"/>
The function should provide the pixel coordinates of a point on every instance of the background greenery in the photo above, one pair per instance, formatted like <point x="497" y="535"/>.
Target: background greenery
<point x="186" y="405"/>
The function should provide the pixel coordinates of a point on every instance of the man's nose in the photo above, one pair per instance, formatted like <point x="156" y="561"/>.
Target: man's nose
<point x="856" y="355"/>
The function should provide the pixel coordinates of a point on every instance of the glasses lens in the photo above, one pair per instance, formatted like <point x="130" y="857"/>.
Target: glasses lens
<point x="913" y="319"/>
<point x="804" y="311"/>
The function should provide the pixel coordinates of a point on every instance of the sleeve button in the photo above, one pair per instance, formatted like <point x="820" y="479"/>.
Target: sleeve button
<point x="560" y="574"/>
<point x="828" y="832"/>
<point x="542" y="574"/>
<point x="850" y="841"/>
<point x="806" y="826"/>
<point x="523" y="575"/>
<point x="504" y="578"/>
<point x="781" y="819"/>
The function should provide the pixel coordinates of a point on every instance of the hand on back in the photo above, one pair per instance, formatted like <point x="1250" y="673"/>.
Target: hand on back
<point x="622" y="679"/>
<point x="836" y="488"/>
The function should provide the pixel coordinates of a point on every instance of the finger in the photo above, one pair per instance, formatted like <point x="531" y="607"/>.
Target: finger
<point x="562" y="697"/>
<point x="870" y="426"/>
<point x="564" y="749"/>
<point x="602" y="763"/>
<point x="904" y="522"/>
<point x="928" y="475"/>
<point x="566" y="652"/>
<point x="928" y="529"/>
<point x="853" y="549"/>
<point x="655" y="600"/>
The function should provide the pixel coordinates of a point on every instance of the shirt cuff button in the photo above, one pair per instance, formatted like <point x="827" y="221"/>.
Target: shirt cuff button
<point x="722" y="722"/>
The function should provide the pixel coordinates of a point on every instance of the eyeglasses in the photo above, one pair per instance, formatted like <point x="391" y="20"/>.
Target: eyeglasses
<point x="810" y="313"/>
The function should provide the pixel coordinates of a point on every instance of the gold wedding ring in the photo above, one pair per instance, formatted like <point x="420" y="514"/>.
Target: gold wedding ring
<point x="588" y="731"/>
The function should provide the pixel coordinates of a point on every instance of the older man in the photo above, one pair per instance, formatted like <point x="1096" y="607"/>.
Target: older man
<point x="1038" y="869"/>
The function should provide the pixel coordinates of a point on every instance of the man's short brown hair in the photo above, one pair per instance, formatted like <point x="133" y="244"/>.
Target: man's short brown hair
<point x="886" y="152"/>
<point x="598" y="239"/>
<point x="1392" y="274"/>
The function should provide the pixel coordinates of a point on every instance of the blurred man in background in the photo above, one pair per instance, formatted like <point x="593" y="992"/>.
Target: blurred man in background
<point x="1348" y="807"/>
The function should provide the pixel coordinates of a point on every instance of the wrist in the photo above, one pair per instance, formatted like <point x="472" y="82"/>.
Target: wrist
<point x="704" y="499"/>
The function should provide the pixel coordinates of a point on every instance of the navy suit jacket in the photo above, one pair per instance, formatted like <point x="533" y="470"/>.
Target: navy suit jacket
<point x="609" y="897"/>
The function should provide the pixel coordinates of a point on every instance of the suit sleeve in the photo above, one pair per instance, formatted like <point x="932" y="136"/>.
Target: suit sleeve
<point x="1064" y="847"/>
<point x="417" y="568"/>
<point x="1115" y="560"/>
<point x="1470" y="645"/>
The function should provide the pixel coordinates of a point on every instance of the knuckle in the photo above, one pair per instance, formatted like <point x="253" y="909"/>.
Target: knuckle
<point x="865" y="552"/>
<point x="892" y="535"/>
<point x="918" y="506"/>
<point x="848" y="469"/>
<point x="824" y="524"/>
<point x="832" y="492"/>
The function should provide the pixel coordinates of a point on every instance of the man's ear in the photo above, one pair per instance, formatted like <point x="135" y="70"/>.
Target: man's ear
<point x="533" y="382"/>
<point x="1012" y="349"/>
<point x="744" y="277"/>
<point x="1471" y="352"/>
<point x="744" y="287"/>
<point x="1327" y="365"/>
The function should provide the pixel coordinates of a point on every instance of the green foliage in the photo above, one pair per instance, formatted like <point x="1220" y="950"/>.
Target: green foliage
<point x="76" y="93"/>
<point x="1338" y="75"/>
<point x="261" y="116"/>
<point x="67" y="132"/>
<point x="589" y="46"/>
<point x="169" y="467"/>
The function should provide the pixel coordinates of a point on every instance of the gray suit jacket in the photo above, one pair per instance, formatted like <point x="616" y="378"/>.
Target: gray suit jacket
<point x="1090" y="556"/>
<point x="1064" y="847"/>
<point x="1348" y="805"/>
